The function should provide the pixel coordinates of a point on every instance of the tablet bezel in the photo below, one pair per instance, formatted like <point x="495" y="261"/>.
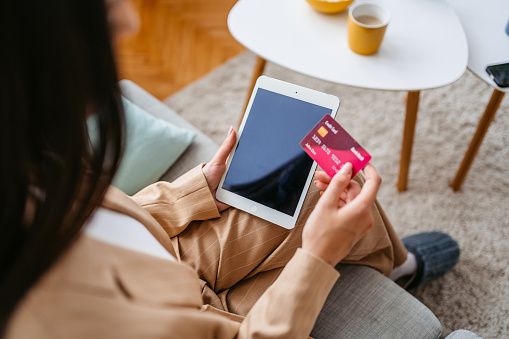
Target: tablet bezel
<point x="253" y="207"/>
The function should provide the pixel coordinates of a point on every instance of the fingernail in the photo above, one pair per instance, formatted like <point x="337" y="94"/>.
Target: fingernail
<point x="346" y="169"/>
<point x="231" y="130"/>
<point x="321" y="193"/>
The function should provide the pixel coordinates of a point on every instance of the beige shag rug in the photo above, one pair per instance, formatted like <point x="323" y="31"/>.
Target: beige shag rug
<point x="475" y="295"/>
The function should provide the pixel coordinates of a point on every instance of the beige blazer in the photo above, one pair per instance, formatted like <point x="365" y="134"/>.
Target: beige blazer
<point x="229" y="263"/>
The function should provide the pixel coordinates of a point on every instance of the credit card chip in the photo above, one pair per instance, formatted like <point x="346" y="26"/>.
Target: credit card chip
<point x="323" y="131"/>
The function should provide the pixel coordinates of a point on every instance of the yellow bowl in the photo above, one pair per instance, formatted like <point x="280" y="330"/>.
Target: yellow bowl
<point x="331" y="6"/>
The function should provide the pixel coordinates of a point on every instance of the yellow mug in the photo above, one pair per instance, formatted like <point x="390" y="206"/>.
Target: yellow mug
<point x="367" y="23"/>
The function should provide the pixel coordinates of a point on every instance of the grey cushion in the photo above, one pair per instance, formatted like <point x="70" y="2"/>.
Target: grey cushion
<point x="462" y="334"/>
<point x="365" y="304"/>
<point x="201" y="150"/>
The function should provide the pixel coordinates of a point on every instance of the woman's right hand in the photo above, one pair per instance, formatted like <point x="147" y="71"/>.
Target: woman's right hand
<point x="331" y="230"/>
<point x="351" y="191"/>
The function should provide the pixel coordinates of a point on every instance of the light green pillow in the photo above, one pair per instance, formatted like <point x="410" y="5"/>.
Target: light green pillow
<point x="152" y="146"/>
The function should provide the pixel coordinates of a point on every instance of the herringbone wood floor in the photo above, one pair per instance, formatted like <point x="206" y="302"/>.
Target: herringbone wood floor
<point x="179" y="41"/>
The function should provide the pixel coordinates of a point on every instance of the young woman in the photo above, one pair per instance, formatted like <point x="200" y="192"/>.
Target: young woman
<point x="80" y="259"/>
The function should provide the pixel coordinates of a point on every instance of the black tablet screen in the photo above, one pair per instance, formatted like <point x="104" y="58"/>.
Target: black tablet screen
<point x="269" y="166"/>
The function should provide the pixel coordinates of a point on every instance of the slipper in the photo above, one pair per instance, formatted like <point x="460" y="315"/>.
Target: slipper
<point x="436" y="253"/>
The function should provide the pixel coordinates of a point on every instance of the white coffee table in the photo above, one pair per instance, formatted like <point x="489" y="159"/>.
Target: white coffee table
<point x="424" y="47"/>
<point x="484" y="24"/>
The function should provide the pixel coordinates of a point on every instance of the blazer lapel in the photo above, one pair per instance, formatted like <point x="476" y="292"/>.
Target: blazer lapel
<point x="118" y="201"/>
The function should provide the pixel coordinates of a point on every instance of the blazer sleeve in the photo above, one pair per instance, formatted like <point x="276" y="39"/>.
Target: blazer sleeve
<point x="174" y="205"/>
<point x="289" y="308"/>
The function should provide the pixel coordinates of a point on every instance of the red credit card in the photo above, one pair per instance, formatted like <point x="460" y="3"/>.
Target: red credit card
<point x="332" y="147"/>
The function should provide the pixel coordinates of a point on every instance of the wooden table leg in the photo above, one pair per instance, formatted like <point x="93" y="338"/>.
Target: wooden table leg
<point x="412" y="107"/>
<point x="257" y="71"/>
<point x="482" y="128"/>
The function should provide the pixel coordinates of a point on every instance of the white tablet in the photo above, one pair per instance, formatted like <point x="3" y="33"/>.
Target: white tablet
<point x="268" y="174"/>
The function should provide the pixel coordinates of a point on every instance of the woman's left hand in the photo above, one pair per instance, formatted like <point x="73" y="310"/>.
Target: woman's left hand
<point x="215" y="168"/>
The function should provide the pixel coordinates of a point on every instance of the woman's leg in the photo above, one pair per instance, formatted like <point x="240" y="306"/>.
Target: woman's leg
<point x="238" y="246"/>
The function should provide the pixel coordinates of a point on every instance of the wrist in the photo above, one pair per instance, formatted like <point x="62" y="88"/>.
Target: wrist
<point x="317" y="255"/>
<point x="332" y="257"/>
<point x="328" y="247"/>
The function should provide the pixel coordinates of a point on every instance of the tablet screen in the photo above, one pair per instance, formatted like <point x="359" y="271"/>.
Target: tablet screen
<point x="269" y="166"/>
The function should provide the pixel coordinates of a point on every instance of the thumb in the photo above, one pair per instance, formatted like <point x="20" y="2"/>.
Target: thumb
<point x="338" y="184"/>
<point x="226" y="147"/>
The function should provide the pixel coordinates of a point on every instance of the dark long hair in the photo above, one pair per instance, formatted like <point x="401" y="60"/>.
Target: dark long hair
<point x="56" y="69"/>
